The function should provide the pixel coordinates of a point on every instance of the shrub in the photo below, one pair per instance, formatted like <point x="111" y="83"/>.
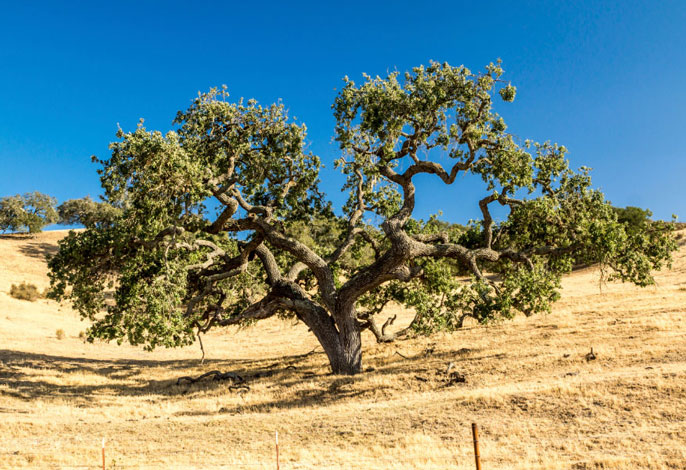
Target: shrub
<point x="60" y="334"/>
<point x="25" y="291"/>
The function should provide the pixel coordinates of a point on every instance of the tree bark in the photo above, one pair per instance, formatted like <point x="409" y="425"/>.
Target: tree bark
<point x="339" y="335"/>
<point x="349" y="359"/>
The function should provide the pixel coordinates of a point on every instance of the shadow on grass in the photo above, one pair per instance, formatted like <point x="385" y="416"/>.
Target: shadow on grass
<point x="23" y="376"/>
<point x="39" y="250"/>
<point x="16" y="236"/>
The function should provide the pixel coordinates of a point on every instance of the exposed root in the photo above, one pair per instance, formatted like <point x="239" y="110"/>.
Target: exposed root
<point x="404" y="357"/>
<point x="217" y="375"/>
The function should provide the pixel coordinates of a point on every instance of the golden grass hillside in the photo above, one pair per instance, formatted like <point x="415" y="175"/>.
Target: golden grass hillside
<point x="539" y="402"/>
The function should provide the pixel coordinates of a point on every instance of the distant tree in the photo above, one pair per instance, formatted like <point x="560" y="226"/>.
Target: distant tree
<point x="644" y="235"/>
<point x="28" y="213"/>
<point x="87" y="212"/>
<point x="634" y="218"/>
<point x="171" y="266"/>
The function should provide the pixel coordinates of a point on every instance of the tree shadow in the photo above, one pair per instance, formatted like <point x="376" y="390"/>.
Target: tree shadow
<point x="16" y="236"/>
<point x="17" y="374"/>
<point x="328" y="389"/>
<point x="22" y="375"/>
<point x="38" y="250"/>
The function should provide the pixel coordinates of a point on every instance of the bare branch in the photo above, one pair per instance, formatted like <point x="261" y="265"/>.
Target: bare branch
<point x="354" y="219"/>
<point x="488" y="220"/>
<point x="382" y="336"/>
<point x="269" y="262"/>
<point x="265" y="308"/>
<point x="228" y="212"/>
<point x="266" y="211"/>
<point x="295" y="270"/>
<point x="216" y="251"/>
<point x="369" y="239"/>
<point x="431" y="237"/>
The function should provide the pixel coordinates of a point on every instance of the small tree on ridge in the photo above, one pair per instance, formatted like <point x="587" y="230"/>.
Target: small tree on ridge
<point x="27" y="213"/>
<point x="87" y="212"/>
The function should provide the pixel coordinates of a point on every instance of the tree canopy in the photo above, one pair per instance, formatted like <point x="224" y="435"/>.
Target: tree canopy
<point x="87" y="212"/>
<point x="221" y="221"/>
<point x="27" y="213"/>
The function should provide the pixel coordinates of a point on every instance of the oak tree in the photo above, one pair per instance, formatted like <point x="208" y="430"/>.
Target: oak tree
<point x="222" y="221"/>
<point x="29" y="212"/>
<point x="87" y="212"/>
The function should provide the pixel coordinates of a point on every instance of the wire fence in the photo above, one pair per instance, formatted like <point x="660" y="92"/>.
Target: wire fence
<point x="275" y="461"/>
<point x="466" y="456"/>
<point x="361" y="463"/>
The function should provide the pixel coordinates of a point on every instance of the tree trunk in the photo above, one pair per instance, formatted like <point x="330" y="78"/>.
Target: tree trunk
<point x="340" y="338"/>
<point x="349" y="357"/>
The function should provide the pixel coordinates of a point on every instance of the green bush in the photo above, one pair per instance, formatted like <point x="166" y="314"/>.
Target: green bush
<point x="60" y="334"/>
<point x="25" y="291"/>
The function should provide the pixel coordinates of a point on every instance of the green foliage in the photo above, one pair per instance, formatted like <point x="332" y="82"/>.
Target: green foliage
<point x="635" y="217"/>
<point x="158" y="181"/>
<point x="25" y="291"/>
<point x="158" y="262"/>
<point x="29" y="212"/>
<point x="89" y="213"/>
<point x="439" y="111"/>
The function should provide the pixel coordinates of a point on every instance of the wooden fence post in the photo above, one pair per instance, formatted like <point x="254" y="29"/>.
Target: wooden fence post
<point x="477" y="457"/>
<point x="103" y="453"/>
<point x="277" y="450"/>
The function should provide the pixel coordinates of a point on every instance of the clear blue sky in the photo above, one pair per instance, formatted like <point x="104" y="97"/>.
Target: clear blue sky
<point x="606" y="79"/>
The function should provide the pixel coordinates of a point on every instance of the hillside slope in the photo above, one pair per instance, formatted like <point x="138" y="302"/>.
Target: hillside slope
<point x="539" y="402"/>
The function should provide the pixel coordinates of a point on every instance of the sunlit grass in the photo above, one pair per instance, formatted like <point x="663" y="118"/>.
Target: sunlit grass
<point x="539" y="402"/>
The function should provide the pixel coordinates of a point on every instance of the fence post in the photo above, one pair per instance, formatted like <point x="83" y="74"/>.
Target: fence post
<point x="477" y="457"/>
<point x="103" y="453"/>
<point x="277" y="450"/>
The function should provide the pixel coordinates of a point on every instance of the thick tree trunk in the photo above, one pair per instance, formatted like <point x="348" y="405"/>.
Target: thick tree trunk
<point x="348" y="358"/>
<point x="340" y="338"/>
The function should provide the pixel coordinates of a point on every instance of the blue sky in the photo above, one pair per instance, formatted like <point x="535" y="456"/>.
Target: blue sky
<point x="606" y="79"/>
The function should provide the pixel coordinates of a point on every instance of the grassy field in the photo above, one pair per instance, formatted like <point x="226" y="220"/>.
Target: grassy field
<point x="539" y="402"/>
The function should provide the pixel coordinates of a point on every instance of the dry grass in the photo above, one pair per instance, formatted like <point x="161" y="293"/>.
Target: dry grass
<point x="540" y="404"/>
